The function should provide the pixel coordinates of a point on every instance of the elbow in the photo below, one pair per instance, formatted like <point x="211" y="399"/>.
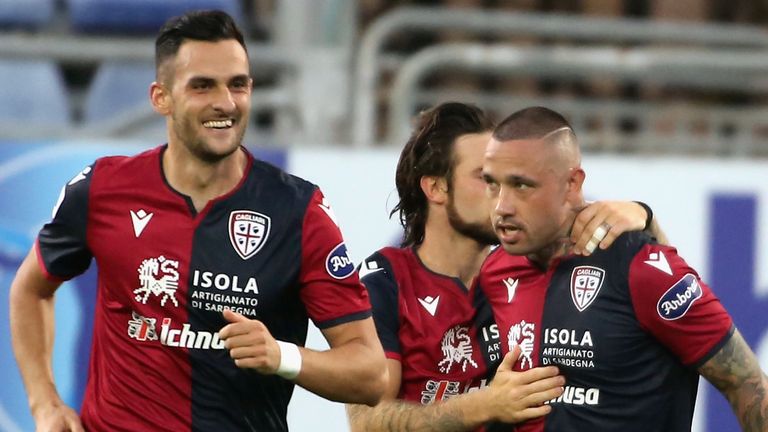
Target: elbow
<point x="376" y="383"/>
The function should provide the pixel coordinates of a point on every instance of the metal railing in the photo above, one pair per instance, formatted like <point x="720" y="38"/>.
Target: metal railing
<point x="71" y="49"/>
<point x="617" y="126"/>
<point x="714" y="70"/>
<point x="370" y="58"/>
<point x="92" y="50"/>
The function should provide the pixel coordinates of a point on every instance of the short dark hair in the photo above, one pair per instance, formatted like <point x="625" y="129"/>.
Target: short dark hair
<point x="205" y="25"/>
<point x="530" y="123"/>
<point x="429" y="152"/>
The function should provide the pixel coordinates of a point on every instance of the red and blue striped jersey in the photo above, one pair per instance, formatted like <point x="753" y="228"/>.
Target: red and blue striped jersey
<point x="627" y="326"/>
<point x="269" y="249"/>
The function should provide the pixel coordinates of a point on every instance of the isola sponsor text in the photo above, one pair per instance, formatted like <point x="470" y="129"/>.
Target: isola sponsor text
<point x="222" y="282"/>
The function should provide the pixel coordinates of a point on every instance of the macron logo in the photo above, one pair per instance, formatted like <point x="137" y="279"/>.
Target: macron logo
<point x="140" y="220"/>
<point x="511" y="285"/>
<point x="368" y="267"/>
<point x="430" y="304"/>
<point x="659" y="261"/>
<point x="326" y="207"/>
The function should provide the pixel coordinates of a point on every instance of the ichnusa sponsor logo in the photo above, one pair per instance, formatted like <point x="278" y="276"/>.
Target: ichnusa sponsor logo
<point x="679" y="298"/>
<point x="338" y="264"/>
<point x="578" y="396"/>
<point x="438" y="390"/>
<point x="187" y="338"/>
<point x="141" y="328"/>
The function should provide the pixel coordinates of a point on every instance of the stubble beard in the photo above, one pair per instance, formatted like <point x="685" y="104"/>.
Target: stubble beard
<point x="197" y="145"/>
<point x="479" y="232"/>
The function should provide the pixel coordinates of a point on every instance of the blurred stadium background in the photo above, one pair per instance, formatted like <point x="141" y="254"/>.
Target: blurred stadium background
<point x="669" y="97"/>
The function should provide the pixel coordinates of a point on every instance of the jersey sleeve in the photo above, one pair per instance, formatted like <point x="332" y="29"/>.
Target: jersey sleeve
<point x="378" y="277"/>
<point x="330" y="288"/>
<point x="676" y="306"/>
<point x="61" y="246"/>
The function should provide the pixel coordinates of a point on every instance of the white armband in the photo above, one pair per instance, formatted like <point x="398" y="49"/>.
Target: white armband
<point x="290" y="360"/>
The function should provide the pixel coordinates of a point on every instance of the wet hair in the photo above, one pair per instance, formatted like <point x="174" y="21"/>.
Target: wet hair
<point x="429" y="152"/>
<point x="210" y="25"/>
<point x="530" y="123"/>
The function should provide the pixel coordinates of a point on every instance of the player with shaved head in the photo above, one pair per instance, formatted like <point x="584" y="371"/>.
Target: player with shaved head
<point x="631" y="327"/>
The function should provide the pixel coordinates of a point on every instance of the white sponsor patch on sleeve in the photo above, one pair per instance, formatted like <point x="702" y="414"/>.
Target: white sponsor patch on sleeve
<point x="679" y="298"/>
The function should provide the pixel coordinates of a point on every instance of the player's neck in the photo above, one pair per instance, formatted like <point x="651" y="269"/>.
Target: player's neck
<point x="545" y="256"/>
<point x="559" y="247"/>
<point x="203" y="181"/>
<point x="447" y="252"/>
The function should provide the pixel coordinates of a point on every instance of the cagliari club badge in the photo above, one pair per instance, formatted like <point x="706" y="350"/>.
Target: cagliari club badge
<point x="248" y="231"/>
<point x="585" y="284"/>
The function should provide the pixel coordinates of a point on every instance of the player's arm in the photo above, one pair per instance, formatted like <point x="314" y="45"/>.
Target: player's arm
<point x="698" y="330"/>
<point x="32" y="330"/>
<point x="601" y="222"/>
<point x="352" y="370"/>
<point x="60" y="253"/>
<point x="735" y="371"/>
<point x="511" y="397"/>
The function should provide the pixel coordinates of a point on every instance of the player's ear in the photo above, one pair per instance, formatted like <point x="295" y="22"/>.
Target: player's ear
<point x="435" y="188"/>
<point x="160" y="98"/>
<point x="576" y="178"/>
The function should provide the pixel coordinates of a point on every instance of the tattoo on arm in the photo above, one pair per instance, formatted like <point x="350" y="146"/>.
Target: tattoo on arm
<point x="735" y="371"/>
<point x="400" y="416"/>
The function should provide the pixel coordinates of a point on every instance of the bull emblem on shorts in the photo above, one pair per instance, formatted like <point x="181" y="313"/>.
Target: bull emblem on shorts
<point x="248" y="231"/>
<point x="585" y="284"/>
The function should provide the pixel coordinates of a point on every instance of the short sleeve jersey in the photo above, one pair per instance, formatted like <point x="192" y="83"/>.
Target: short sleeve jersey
<point x="269" y="249"/>
<point x="627" y="326"/>
<point x="426" y="322"/>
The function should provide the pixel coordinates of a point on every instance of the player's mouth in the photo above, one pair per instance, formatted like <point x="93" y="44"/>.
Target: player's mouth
<point x="219" y="124"/>
<point x="508" y="233"/>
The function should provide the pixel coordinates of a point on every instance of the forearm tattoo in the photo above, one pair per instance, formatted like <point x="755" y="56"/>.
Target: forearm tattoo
<point x="735" y="371"/>
<point x="399" y="416"/>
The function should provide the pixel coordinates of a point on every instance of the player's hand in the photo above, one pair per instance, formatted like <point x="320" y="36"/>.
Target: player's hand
<point x="601" y="222"/>
<point x="249" y="343"/>
<point x="520" y="396"/>
<point x="57" y="418"/>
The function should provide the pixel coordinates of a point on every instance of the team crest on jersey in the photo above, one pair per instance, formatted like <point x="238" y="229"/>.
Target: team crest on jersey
<point x="158" y="277"/>
<point x="142" y="328"/>
<point x="679" y="298"/>
<point x="439" y="390"/>
<point x="338" y="264"/>
<point x="524" y="335"/>
<point x="457" y="350"/>
<point x="248" y="231"/>
<point x="585" y="284"/>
